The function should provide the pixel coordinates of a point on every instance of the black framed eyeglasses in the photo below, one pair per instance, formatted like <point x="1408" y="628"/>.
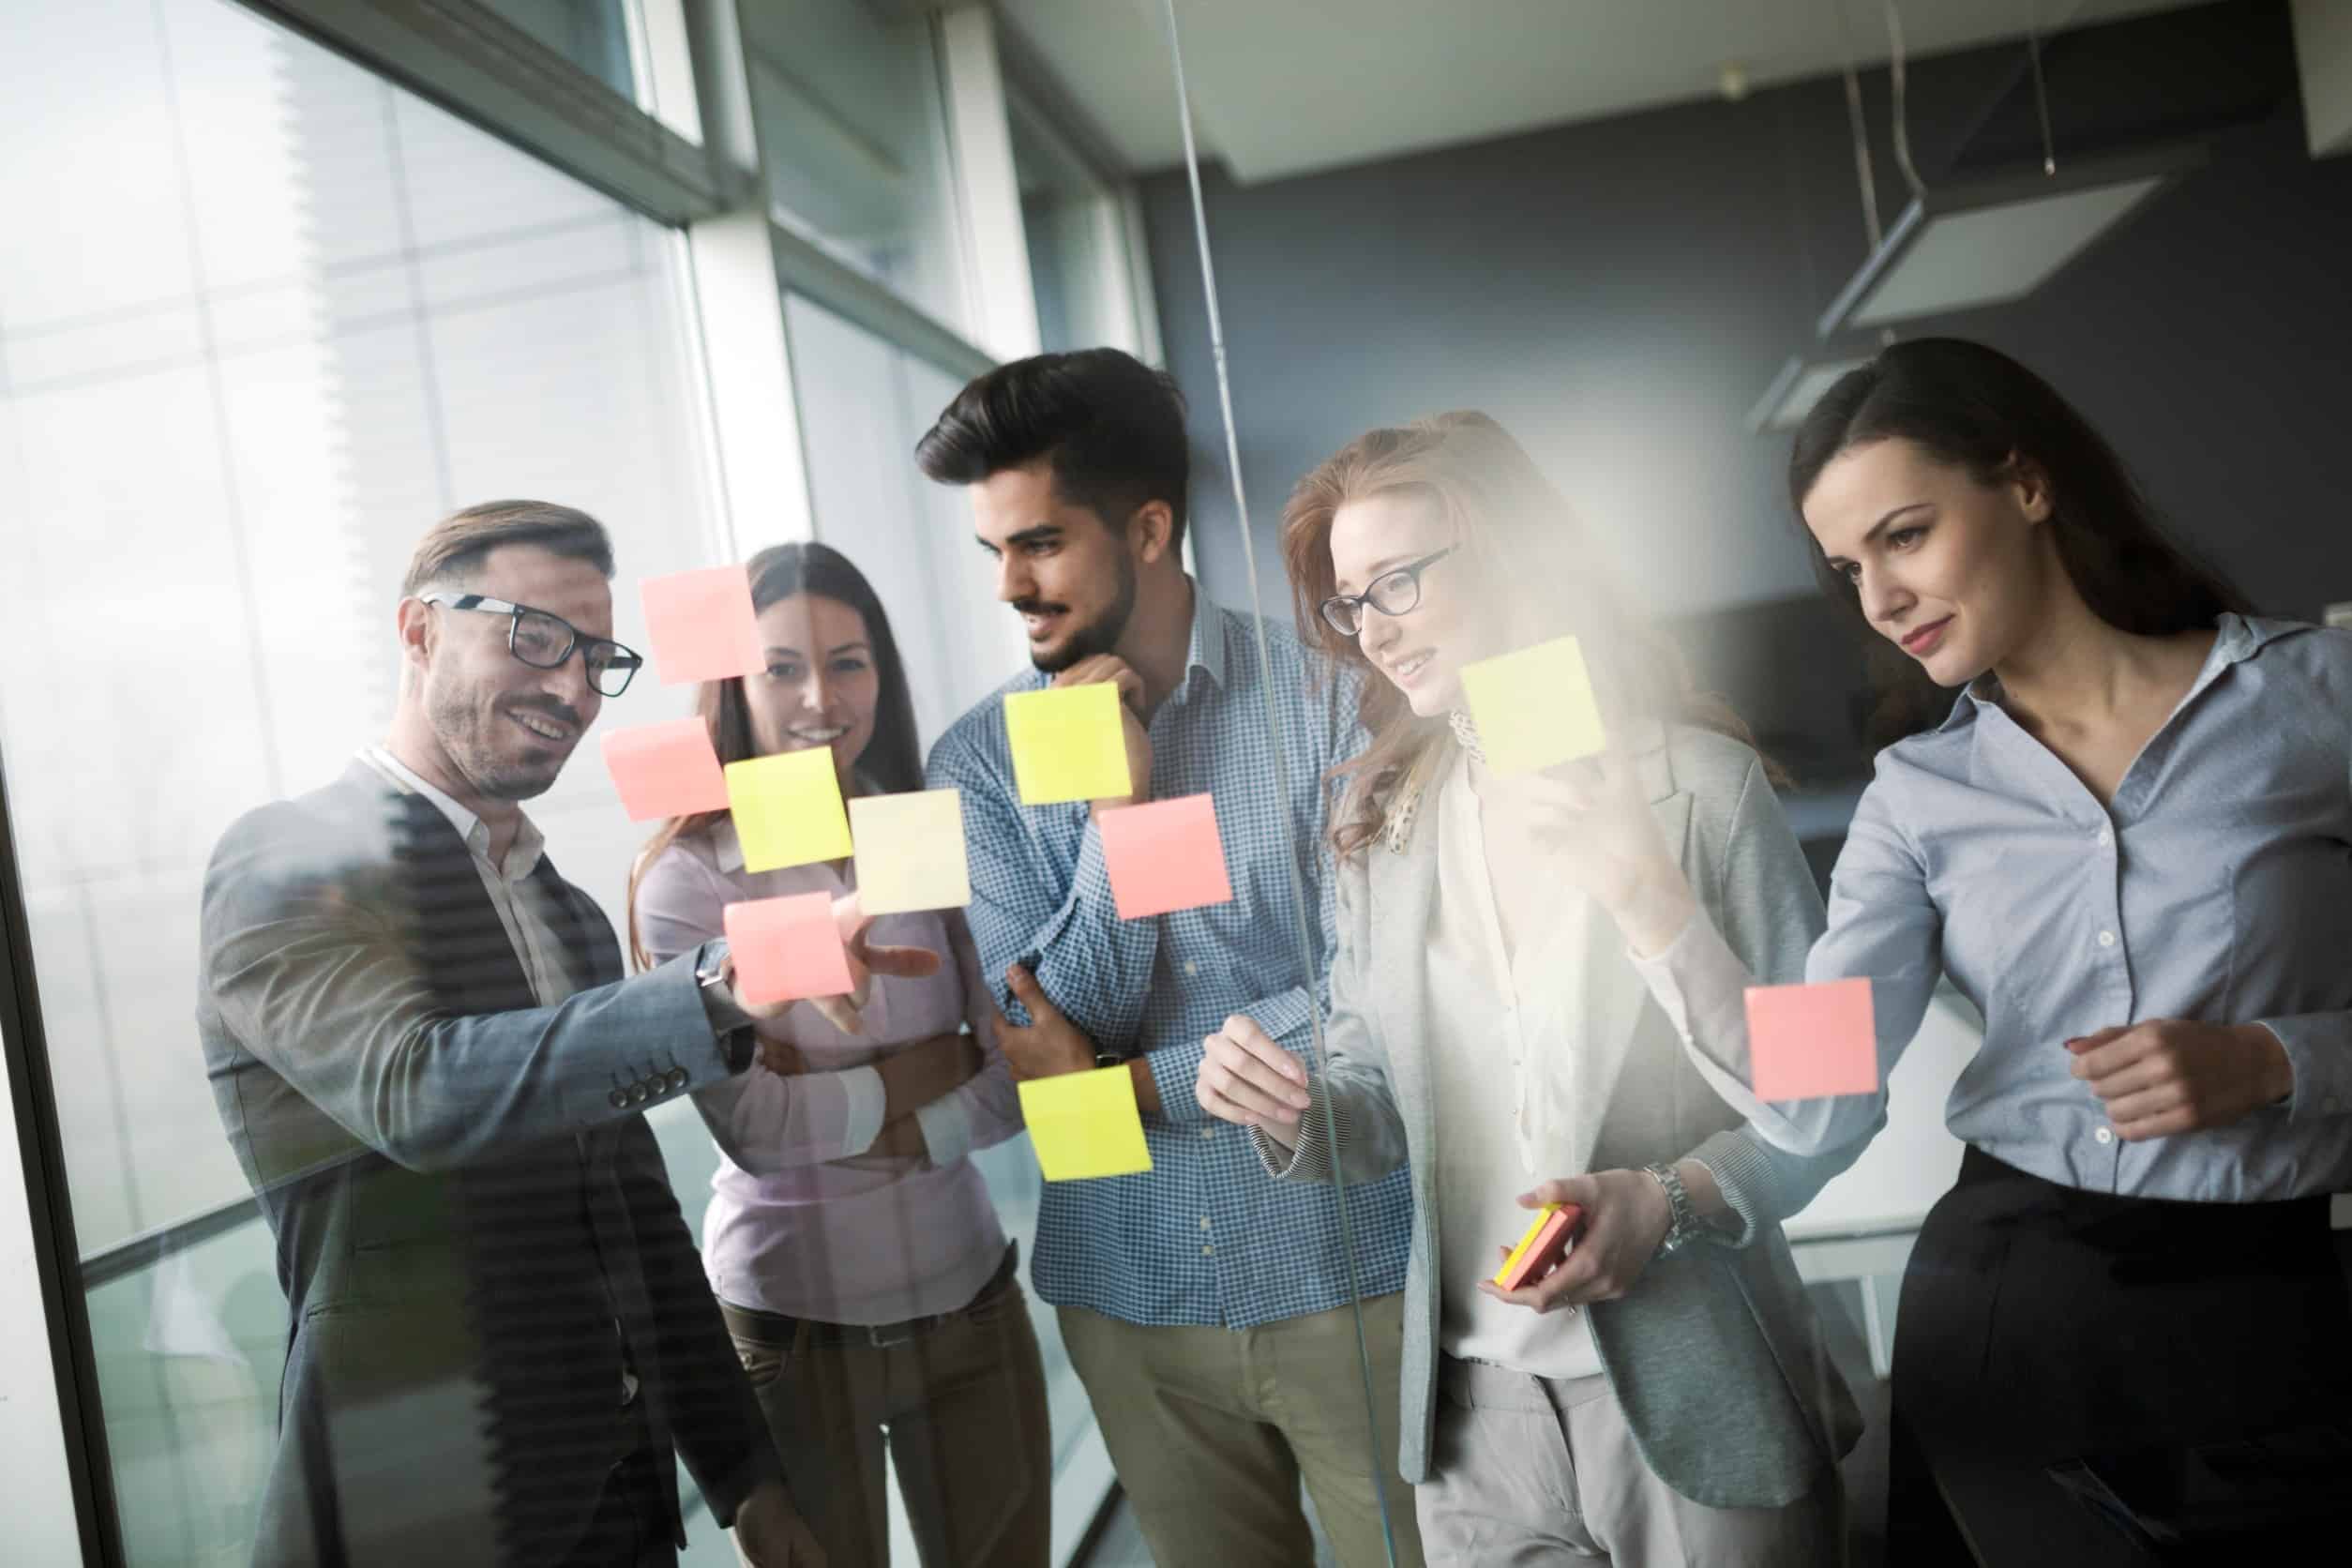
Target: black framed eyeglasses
<point x="1392" y="593"/>
<point x="544" y="641"/>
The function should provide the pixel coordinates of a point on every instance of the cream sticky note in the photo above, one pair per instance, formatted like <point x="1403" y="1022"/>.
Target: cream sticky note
<point x="788" y="810"/>
<point x="787" y="948"/>
<point x="1165" y="855"/>
<point x="665" y="770"/>
<point x="1067" y="744"/>
<point x="1809" y="1041"/>
<point x="1085" y="1124"/>
<point x="910" y="852"/>
<point x="1535" y="707"/>
<point x="702" y="625"/>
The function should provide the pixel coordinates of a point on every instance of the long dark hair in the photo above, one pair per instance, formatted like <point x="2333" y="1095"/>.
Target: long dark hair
<point x="1976" y="408"/>
<point x="1518" y="532"/>
<point x="892" y="761"/>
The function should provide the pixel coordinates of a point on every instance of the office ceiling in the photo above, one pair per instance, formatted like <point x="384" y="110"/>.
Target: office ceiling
<point x="1282" y="87"/>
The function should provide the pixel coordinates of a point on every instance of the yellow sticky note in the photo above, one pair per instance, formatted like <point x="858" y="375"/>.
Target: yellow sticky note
<point x="910" y="852"/>
<point x="1535" y="707"/>
<point x="1085" y="1124"/>
<point x="788" y="810"/>
<point x="1067" y="744"/>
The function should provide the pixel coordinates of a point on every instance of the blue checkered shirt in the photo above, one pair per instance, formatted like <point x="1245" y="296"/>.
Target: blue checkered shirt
<point x="1204" y="1237"/>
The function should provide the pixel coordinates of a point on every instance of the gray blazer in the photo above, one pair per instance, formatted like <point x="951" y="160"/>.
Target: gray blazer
<point x="466" y="1199"/>
<point x="1714" y="1356"/>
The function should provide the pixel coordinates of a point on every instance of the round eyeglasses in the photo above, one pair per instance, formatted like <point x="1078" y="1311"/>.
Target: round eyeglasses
<point x="1392" y="593"/>
<point x="544" y="641"/>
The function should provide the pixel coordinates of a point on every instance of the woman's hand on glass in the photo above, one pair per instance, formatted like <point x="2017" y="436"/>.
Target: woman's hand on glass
<point x="2169" y="1076"/>
<point x="1594" y="816"/>
<point x="1626" y="1217"/>
<point x="1248" y="1079"/>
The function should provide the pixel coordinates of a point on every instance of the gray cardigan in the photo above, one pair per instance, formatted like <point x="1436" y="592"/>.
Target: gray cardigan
<point x="1715" y="1355"/>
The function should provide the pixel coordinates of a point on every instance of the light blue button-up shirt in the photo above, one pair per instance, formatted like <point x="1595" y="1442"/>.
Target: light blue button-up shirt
<point x="1202" y="1237"/>
<point x="2217" y="887"/>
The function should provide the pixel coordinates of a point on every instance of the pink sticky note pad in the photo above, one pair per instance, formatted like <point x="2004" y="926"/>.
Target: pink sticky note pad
<point x="1165" y="855"/>
<point x="665" y="770"/>
<point x="1544" y="1243"/>
<point x="1809" y="1041"/>
<point x="787" y="948"/>
<point x="702" y="625"/>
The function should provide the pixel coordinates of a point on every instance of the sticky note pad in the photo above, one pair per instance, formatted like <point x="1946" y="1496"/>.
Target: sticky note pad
<point x="1807" y="1041"/>
<point x="1085" y="1124"/>
<point x="787" y="948"/>
<point x="1535" y="707"/>
<point x="1540" y="1246"/>
<point x="665" y="770"/>
<point x="788" y="810"/>
<point x="1165" y="855"/>
<point x="1067" y="744"/>
<point x="910" y="852"/>
<point x="702" y="625"/>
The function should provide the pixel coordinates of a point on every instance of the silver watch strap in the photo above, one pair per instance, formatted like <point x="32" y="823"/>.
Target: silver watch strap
<point x="1687" y="1225"/>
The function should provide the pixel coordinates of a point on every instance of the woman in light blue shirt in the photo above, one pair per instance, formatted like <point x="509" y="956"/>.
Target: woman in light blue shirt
<point x="2130" y="844"/>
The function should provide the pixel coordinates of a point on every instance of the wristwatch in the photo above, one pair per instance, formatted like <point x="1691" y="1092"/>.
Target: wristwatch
<point x="728" y="1026"/>
<point x="1687" y="1226"/>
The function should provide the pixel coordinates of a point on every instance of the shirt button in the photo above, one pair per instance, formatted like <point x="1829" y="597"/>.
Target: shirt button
<point x="1205" y="1222"/>
<point x="1207" y="1251"/>
<point x="1208" y="1132"/>
<point x="1191" y="968"/>
<point x="2105" y="1135"/>
<point x="2107" y="939"/>
<point x="2106" y="837"/>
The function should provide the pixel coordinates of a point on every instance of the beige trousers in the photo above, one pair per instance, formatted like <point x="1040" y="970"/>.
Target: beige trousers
<point x="1211" y="1432"/>
<point x="1529" y="1470"/>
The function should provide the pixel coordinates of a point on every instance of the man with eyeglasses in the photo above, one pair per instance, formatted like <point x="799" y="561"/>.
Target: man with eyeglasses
<point x="433" y="1074"/>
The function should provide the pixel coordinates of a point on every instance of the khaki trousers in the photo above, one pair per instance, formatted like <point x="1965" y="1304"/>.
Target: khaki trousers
<point x="1212" y="1430"/>
<point x="1528" y="1470"/>
<point x="962" y="1400"/>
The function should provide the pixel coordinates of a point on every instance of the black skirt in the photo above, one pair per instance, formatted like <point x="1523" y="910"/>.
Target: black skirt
<point x="2041" y="1323"/>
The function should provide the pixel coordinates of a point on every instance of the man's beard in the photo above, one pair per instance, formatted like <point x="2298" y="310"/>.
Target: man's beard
<point x="1099" y="635"/>
<point x="498" y="774"/>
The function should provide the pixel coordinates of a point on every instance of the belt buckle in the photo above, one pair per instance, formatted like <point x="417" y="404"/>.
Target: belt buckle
<point x="883" y="1337"/>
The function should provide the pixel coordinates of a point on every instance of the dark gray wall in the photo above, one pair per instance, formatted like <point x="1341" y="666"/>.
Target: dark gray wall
<point x="1619" y="293"/>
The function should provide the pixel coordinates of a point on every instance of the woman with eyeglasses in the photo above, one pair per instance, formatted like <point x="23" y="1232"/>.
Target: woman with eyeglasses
<point x="852" y="1242"/>
<point x="2129" y="844"/>
<point x="1660" y="1394"/>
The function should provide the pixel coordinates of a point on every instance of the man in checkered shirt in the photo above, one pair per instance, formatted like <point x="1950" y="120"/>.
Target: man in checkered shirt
<point x="1208" y="1309"/>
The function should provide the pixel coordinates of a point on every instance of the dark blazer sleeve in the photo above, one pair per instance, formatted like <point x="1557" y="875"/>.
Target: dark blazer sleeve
<point x="714" y="1419"/>
<point x="309" y="961"/>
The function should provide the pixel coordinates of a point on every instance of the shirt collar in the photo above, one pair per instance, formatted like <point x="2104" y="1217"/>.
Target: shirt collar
<point x="1206" y="650"/>
<point x="522" y="856"/>
<point x="2238" y="637"/>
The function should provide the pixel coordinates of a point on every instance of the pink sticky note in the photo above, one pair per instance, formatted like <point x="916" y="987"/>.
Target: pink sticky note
<point x="1165" y="855"/>
<point x="665" y="770"/>
<point x="787" y="948"/>
<point x="1808" y="1041"/>
<point x="702" y="625"/>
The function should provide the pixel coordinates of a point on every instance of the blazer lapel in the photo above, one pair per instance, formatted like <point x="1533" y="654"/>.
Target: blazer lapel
<point x="1404" y="896"/>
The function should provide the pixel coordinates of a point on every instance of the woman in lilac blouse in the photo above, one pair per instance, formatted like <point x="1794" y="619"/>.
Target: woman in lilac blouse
<point x="851" y="1243"/>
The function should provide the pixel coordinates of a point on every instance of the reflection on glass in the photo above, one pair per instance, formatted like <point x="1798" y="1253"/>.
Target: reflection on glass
<point x="591" y="33"/>
<point x="852" y="132"/>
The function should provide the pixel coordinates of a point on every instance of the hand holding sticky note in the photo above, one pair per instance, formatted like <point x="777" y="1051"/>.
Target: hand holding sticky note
<point x="702" y="625"/>
<point x="1535" y="707"/>
<point x="1164" y="856"/>
<point x="910" y="852"/>
<point x="788" y="810"/>
<point x="1809" y="1041"/>
<point x="1544" y="1243"/>
<point x="1067" y="744"/>
<point x="665" y="770"/>
<point x="1085" y="1124"/>
<point x="786" y="949"/>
